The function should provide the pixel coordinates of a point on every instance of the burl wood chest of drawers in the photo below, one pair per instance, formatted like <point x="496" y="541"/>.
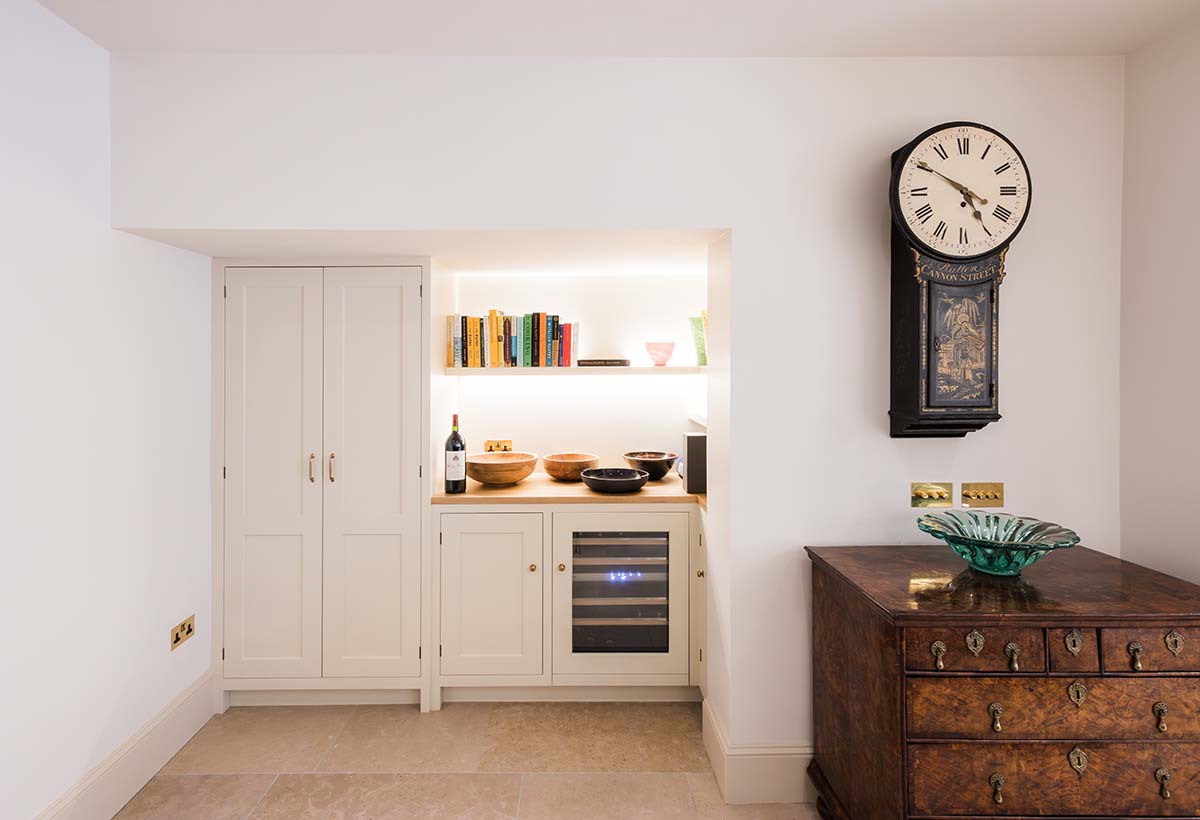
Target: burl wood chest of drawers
<point x="1073" y="691"/>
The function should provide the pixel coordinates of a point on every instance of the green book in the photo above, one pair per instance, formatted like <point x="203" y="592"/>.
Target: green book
<point x="697" y="323"/>
<point x="527" y="353"/>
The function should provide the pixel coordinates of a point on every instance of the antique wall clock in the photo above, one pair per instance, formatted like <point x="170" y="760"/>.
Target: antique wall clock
<point x="959" y="195"/>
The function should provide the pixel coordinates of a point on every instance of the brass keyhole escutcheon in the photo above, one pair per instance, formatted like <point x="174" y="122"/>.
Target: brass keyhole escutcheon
<point x="1160" y="712"/>
<point x="1078" y="693"/>
<point x="939" y="653"/>
<point x="1163" y="776"/>
<point x="996" y="710"/>
<point x="1013" y="651"/>
<point x="1074" y="642"/>
<point x="1174" y="642"/>
<point x="975" y="642"/>
<point x="1135" y="652"/>
<point x="996" y="781"/>
<point x="1078" y="759"/>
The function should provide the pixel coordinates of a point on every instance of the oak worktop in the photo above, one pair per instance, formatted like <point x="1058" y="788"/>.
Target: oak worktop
<point x="540" y="488"/>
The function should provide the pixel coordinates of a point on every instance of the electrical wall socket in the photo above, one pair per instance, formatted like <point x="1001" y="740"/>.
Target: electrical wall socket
<point x="181" y="632"/>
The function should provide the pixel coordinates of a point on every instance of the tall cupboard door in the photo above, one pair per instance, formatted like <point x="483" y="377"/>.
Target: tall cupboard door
<point x="620" y="593"/>
<point x="372" y="572"/>
<point x="492" y="576"/>
<point x="272" y="472"/>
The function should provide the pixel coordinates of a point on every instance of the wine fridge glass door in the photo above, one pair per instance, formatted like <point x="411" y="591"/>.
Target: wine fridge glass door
<point x="620" y="591"/>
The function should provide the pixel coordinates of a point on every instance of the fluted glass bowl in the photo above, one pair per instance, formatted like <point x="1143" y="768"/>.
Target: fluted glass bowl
<point x="996" y="543"/>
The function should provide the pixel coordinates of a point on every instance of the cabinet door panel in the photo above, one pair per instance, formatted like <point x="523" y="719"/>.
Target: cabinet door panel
<point x="272" y="510"/>
<point x="492" y="569"/>
<point x="620" y="593"/>
<point x="372" y="568"/>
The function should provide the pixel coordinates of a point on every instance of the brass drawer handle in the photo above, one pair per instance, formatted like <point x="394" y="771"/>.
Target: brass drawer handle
<point x="996" y="781"/>
<point x="1163" y="776"/>
<point x="1160" y="712"/>
<point x="332" y="456"/>
<point x="1013" y="651"/>
<point x="996" y="710"/>
<point x="311" y="458"/>
<point x="939" y="653"/>
<point x="1174" y="642"/>
<point x="974" y="641"/>
<point x="1135" y="652"/>
<point x="1074" y="642"/>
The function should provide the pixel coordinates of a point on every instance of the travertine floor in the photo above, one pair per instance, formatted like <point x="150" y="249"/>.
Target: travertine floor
<point x="543" y="761"/>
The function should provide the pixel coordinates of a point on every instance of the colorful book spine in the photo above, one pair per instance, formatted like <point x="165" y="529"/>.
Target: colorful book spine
<point x="500" y="355"/>
<point x="472" y="342"/>
<point x="548" y="328"/>
<point x="449" y="341"/>
<point x="566" y="345"/>
<point x="462" y="333"/>
<point x="527" y="341"/>
<point x="574" y="341"/>
<point x="485" y="353"/>
<point x="515" y="341"/>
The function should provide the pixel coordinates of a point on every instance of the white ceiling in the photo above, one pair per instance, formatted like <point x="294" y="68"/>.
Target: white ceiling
<point x="645" y="28"/>
<point x="468" y="252"/>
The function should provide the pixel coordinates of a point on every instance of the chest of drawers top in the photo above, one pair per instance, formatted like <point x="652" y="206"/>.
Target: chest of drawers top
<point x="928" y="584"/>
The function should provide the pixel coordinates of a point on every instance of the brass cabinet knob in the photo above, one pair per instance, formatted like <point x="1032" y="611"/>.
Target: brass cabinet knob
<point x="1013" y="651"/>
<point x="699" y="573"/>
<point x="939" y="652"/>
<point x="1163" y="776"/>
<point x="996" y="710"/>
<point x="562" y="567"/>
<point x="533" y="567"/>
<point x="1160" y="712"/>
<point x="1135" y="652"/>
<point x="996" y="781"/>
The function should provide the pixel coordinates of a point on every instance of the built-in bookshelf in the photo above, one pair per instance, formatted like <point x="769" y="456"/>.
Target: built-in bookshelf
<point x="682" y="370"/>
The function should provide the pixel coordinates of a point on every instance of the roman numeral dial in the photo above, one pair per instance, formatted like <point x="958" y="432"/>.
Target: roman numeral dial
<point x="960" y="191"/>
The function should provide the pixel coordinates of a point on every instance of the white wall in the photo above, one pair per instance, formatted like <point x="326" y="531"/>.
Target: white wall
<point x="792" y="156"/>
<point x="1160" y="445"/>
<point x="104" y="351"/>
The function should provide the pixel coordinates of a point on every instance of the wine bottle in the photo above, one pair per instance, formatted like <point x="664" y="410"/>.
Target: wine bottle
<point x="456" y="461"/>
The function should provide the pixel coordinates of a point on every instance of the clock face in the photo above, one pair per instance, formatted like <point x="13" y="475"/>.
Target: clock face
<point x="962" y="191"/>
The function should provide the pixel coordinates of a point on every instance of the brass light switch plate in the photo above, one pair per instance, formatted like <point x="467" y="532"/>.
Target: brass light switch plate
<point x="982" y="494"/>
<point x="932" y="494"/>
<point x="180" y="633"/>
<point x="498" y="445"/>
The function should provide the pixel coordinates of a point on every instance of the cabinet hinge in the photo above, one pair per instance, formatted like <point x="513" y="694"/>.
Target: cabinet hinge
<point x="222" y="653"/>
<point x="701" y="656"/>
<point x="222" y="471"/>
<point x="421" y="290"/>
<point x="420" y="471"/>
<point x="439" y="538"/>
<point x="439" y="650"/>
<point x="225" y="294"/>
<point x="418" y="653"/>
<point x="702" y="539"/>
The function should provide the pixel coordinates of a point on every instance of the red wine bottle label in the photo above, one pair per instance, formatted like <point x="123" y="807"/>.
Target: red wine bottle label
<point x="456" y="465"/>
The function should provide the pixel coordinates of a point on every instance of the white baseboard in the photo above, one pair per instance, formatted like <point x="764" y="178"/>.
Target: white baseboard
<point x="324" y="697"/>
<point x="757" y="774"/>
<point x="116" y="779"/>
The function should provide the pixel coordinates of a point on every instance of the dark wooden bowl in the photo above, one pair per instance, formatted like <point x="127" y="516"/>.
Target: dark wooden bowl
<point x="498" y="469"/>
<point x="655" y="462"/>
<point x="568" y="466"/>
<point x="614" y="479"/>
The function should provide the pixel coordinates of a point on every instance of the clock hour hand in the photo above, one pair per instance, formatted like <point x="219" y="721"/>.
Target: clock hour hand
<point x="977" y="214"/>
<point x="962" y="189"/>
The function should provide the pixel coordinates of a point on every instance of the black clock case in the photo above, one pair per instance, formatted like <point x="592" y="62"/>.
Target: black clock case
<point x="921" y="282"/>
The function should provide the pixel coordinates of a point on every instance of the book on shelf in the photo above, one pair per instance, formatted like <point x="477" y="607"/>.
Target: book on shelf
<point x="610" y="362"/>
<point x="501" y="339"/>
<point x="699" y="326"/>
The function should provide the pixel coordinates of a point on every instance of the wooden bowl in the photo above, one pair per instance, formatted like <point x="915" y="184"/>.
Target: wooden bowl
<point x="498" y="469"/>
<point x="568" y="466"/>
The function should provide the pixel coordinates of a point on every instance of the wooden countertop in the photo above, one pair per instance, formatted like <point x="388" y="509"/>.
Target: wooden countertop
<point x="540" y="488"/>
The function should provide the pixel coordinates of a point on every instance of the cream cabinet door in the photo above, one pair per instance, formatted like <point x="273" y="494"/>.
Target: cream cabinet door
<point x="272" y="441"/>
<point x="372" y="571"/>
<point x="491" y="582"/>
<point x="620" y="593"/>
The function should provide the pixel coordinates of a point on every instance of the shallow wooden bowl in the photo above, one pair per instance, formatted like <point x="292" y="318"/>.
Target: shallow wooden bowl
<point x="568" y="466"/>
<point x="498" y="469"/>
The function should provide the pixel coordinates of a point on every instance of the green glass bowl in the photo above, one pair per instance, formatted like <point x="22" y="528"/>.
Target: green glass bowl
<point x="996" y="543"/>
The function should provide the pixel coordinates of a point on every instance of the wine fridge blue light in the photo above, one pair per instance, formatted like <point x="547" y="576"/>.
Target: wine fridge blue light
<point x="456" y="460"/>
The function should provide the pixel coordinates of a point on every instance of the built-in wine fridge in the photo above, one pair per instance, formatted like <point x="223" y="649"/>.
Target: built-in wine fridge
<point x="623" y="577"/>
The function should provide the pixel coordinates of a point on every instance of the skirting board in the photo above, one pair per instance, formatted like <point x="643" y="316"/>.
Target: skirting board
<point x="757" y="774"/>
<point x="116" y="779"/>
<point x="466" y="694"/>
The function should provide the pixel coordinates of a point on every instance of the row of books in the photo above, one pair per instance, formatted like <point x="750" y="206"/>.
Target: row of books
<point x="501" y="340"/>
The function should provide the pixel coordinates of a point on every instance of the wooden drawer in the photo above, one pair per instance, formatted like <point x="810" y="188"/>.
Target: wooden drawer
<point x="1073" y="650"/>
<point x="1047" y="708"/>
<point x="1163" y="649"/>
<point x="1116" y="779"/>
<point x="974" y="649"/>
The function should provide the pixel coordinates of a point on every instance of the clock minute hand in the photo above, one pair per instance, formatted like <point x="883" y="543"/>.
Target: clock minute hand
<point x="962" y="189"/>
